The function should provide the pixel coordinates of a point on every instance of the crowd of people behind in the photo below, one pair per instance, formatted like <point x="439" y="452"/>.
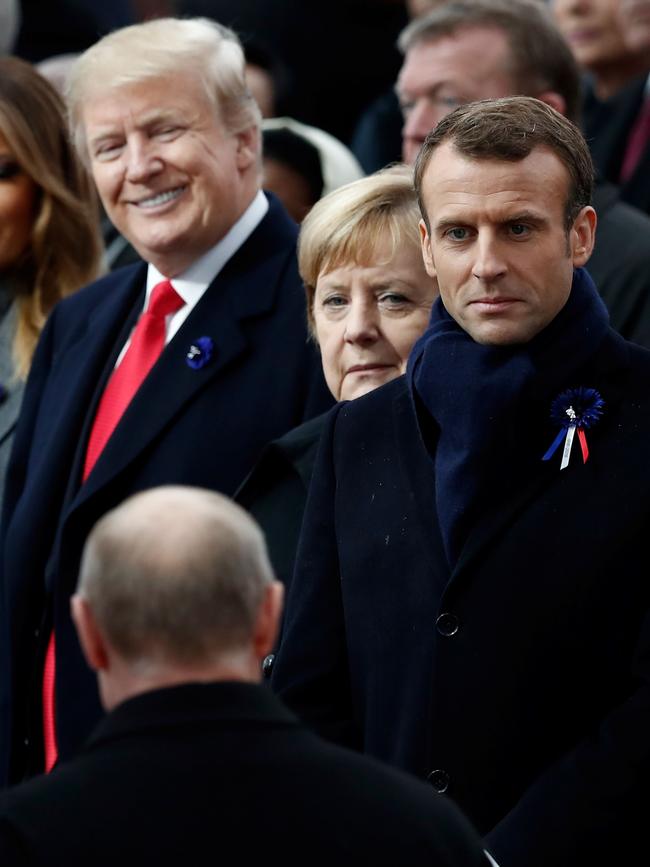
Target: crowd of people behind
<point x="377" y="277"/>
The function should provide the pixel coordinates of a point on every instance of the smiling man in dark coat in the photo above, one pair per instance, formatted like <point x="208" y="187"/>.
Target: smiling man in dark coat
<point x="176" y="370"/>
<point x="471" y="595"/>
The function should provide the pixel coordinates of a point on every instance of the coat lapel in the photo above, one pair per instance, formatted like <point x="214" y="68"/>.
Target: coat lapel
<point x="496" y="521"/>
<point x="246" y="287"/>
<point x="81" y="370"/>
<point x="418" y="470"/>
<point x="610" y="364"/>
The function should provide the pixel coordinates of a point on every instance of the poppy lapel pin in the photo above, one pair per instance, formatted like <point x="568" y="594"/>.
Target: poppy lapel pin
<point x="199" y="353"/>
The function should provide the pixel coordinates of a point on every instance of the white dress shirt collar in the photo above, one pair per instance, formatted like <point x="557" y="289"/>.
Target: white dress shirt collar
<point x="193" y="282"/>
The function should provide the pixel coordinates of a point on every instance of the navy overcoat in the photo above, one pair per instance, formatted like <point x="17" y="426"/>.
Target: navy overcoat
<point x="518" y="682"/>
<point x="190" y="426"/>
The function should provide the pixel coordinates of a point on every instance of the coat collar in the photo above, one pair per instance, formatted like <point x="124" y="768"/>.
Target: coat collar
<point x="246" y="287"/>
<point x="221" y="704"/>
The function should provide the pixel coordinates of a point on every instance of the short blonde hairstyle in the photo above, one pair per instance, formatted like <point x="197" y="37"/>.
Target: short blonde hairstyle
<point x="65" y="248"/>
<point x="161" y="47"/>
<point x="344" y="227"/>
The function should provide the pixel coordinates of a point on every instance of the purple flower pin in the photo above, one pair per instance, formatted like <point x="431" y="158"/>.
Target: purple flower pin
<point x="199" y="353"/>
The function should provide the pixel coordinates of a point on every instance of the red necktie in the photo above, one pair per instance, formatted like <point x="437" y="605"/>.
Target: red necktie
<point x="637" y="141"/>
<point x="147" y="342"/>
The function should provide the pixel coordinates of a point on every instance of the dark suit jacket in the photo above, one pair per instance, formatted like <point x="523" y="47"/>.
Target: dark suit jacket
<point x="519" y="682"/>
<point x="222" y="773"/>
<point x="197" y="427"/>
<point x="620" y="263"/>
<point x="275" y="492"/>
<point x="607" y="126"/>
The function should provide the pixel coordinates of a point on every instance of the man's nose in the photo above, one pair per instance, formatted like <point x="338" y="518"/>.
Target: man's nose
<point x="142" y="160"/>
<point x="362" y="323"/>
<point x="419" y="121"/>
<point x="489" y="261"/>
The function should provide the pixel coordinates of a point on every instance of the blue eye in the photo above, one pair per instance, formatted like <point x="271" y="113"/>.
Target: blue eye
<point x="458" y="233"/>
<point x="519" y="229"/>
<point x="393" y="299"/>
<point x="334" y="301"/>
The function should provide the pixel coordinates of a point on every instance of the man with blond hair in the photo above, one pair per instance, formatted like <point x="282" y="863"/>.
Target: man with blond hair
<point x="175" y="608"/>
<point x="176" y="370"/>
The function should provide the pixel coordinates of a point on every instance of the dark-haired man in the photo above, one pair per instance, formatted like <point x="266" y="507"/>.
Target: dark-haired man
<point x="481" y="49"/>
<point x="471" y="597"/>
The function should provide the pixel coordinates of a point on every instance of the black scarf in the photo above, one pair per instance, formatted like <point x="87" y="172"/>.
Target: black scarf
<point x="482" y="397"/>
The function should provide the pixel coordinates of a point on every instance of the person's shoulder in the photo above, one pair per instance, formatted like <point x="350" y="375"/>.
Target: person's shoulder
<point x="304" y="437"/>
<point x="626" y="368"/>
<point x="634" y="357"/>
<point x="639" y="360"/>
<point x="277" y="225"/>
<point x="620" y="223"/>
<point x="102" y="289"/>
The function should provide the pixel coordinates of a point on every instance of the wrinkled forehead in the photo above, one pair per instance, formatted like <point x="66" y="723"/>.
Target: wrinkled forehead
<point x="455" y="183"/>
<point x="449" y="168"/>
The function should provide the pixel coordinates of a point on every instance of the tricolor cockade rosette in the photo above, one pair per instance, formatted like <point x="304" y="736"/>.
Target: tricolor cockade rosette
<point x="575" y="411"/>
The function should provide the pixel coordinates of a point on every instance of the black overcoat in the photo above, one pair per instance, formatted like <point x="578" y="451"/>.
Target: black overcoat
<point x="517" y="682"/>
<point x="222" y="773"/>
<point x="185" y="425"/>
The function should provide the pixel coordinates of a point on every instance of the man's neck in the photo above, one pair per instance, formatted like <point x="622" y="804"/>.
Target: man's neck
<point x="123" y="680"/>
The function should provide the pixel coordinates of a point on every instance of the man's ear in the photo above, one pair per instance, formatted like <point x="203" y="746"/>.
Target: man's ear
<point x="582" y="236"/>
<point x="90" y="636"/>
<point x="267" y="624"/>
<point x="554" y="99"/>
<point x="427" y="255"/>
<point x="248" y="147"/>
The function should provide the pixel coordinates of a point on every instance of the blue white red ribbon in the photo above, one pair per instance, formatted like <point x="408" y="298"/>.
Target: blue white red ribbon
<point x="575" y="411"/>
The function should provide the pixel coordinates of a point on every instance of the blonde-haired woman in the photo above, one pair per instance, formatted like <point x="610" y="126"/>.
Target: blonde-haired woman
<point x="49" y="231"/>
<point x="368" y="300"/>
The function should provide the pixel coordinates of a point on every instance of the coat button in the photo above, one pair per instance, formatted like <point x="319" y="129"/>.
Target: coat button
<point x="447" y="624"/>
<point x="439" y="779"/>
<point x="267" y="664"/>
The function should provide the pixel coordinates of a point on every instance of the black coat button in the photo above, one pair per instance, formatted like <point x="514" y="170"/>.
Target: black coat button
<point x="439" y="779"/>
<point x="267" y="664"/>
<point x="447" y="624"/>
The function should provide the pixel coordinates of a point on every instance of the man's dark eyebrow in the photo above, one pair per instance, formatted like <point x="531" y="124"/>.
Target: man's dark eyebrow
<point x="526" y="217"/>
<point x="441" y="227"/>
